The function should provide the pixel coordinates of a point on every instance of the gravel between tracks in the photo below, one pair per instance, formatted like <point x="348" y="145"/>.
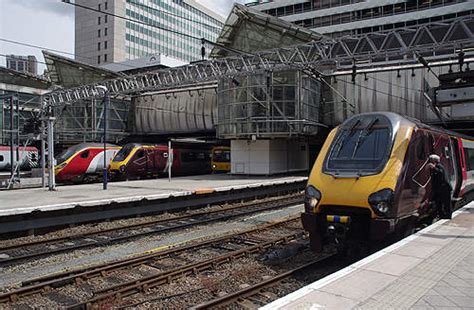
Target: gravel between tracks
<point x="81" y="258"/>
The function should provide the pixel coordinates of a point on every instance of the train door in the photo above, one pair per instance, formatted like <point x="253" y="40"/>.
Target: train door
<point x="457" y="164"/>
<point x="442" y="147"/>
<point x="188" y="160"/>
<point x="140" y="162"/>
<point x="415" y="178"/>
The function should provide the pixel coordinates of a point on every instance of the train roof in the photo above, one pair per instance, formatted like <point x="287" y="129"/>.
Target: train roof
<point x="90" y="144"/>
<point x="28" y="148"/>
<point x="398" y="119"/>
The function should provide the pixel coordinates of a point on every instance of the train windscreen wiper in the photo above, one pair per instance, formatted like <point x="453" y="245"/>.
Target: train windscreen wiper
<point x="343" y="139"/>
<point x="364" y="134"/>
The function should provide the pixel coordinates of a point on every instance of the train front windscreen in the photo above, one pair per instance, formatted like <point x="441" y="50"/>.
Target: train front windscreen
<point x="221" y="156"/>
<point x="67" y="154"/>
<point x="124" y="152"/>
<point x="361" y="147"/>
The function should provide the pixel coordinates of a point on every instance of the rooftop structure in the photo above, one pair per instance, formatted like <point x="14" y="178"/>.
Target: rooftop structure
<point x="19" y="63"/>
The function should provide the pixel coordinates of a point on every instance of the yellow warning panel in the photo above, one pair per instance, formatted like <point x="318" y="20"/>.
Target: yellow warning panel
<point x="201" y="191"/>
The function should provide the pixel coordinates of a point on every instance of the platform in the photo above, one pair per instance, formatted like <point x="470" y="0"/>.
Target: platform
<point x="431" y="269"/>
<point x="69" y="204"/>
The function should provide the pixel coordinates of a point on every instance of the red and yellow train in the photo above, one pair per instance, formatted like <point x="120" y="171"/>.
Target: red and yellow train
<point x="371" y="180"/>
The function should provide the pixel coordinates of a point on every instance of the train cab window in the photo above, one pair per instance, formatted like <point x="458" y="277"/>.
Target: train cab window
<point x="360" y="147"/>
<point x="85" y="154"/>
<point x="141" y="153"/>
<point x="420" y="150"/>
<point x="33" y="156"/>
<point x="221" y="156"/>
<point x="124" y="152"/>
<point x="469" y="155"/>
<point x="1" y="158"/>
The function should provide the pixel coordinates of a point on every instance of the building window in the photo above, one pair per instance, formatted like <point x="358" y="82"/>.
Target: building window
<point x="105" y="18"/>
<point x="99" y="6"/>
<point x="98" y="20"/>
<point x="105" y="5"/>
<point x="105" y="31"/>
<point x="98" y="33"/>
<point x="98" y="59"/>
<point x="105" y="57"/>
<point x="105" y="45"/>
<point x="98" y="46"/>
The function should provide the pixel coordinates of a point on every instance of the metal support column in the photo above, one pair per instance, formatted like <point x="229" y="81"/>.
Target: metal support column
<point x="18" y="138"/>
<point x="43" y="145"/>
<point x="51" y="180"/>
<point x="104" y="171"/>
<point x="170" y="160"/>
<point x="12" y="144"/>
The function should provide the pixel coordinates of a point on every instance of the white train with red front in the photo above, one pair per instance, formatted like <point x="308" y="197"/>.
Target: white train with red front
<point x="29" y="157"/>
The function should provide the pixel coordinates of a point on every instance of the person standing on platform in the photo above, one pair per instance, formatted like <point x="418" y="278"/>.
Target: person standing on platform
<point x="441" y="188"/>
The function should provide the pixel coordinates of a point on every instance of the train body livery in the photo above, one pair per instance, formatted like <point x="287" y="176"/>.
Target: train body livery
<point x="371" y="180"/>
<point x="137" y="161"/>
<point x="29" y="158"/>
<point x="220" y="160"/>
<point x="83" y="161"/>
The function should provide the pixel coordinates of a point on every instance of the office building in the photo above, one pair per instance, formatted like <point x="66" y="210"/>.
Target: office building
<point x="121" y="30"/>
<point x="353" y="17"/>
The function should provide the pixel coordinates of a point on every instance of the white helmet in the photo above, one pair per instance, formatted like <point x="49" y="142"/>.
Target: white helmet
<point x="434" y="158"/>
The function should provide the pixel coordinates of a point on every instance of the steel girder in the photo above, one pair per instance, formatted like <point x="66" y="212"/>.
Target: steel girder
<point x="374" y="49"/>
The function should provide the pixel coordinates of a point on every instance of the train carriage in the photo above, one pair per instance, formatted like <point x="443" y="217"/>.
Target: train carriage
<point x="137" y="161"/>
<point x="371" y="180"/>
<point x="28" y="155"/>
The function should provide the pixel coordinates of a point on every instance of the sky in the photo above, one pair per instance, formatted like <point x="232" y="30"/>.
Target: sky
<point x="50" y="23"/>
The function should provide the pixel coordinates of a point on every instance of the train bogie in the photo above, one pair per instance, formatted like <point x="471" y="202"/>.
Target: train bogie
<point x="371" y="180"/>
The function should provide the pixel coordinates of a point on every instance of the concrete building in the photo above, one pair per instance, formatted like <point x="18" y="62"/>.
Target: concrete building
<point x="352" y="17"/>
<point x="19" y="63"/>
<point x="110" y="33"/>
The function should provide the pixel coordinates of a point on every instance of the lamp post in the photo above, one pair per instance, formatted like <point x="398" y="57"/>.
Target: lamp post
<point x="105" y="101"/>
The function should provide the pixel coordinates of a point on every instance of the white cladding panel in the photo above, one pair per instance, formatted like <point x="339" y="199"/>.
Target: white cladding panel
<point x="268" y="156"/>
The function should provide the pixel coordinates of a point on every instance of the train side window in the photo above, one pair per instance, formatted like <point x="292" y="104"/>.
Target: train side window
<point x="1" y="158"/>
<point x="201" y="156"/>
<point x="420" y="150"/>
<point x="141" y="154"/>
<point x="188" y="156"/>
<point x="85" y="154"/>
<point x="469" y="155"/>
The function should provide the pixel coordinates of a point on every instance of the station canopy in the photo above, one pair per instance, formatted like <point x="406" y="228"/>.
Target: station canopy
<point x="68" y="72"/>
<point x="16" y="78"/>
<point x="248" y="30"/>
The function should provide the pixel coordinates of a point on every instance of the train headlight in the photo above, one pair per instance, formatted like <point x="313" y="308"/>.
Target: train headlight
<point x="312" y="197"/>
<point x="213" y="166"/>
<point x="381" y="201"/>
<point x="122" y="168"/>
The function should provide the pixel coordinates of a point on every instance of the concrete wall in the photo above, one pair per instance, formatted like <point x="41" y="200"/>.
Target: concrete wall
<point x="268" y="156"/>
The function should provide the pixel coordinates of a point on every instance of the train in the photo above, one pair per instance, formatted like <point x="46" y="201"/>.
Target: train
<point x="220" y="160"/>
<point x="28" y="155"/>
<point x="371" y="181"/>
<point x="83" y="162"/>
<point x="137" y="161"/>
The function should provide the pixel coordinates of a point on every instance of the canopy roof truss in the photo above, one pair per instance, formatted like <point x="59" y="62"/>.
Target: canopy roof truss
<point x="370" y="50"/>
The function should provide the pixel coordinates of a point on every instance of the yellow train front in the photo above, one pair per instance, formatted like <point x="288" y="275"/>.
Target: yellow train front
<point x="220" y="159"/>
<point x="371" y="180"/>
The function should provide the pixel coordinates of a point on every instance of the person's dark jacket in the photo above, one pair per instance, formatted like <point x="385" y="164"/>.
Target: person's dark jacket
<point x="440" y="179"/>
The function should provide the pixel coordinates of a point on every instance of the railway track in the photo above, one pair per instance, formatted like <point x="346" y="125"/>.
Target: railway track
<point x="258" y="295"/>
<point x="108" y="284"/>
<point x="24" y="251"/>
